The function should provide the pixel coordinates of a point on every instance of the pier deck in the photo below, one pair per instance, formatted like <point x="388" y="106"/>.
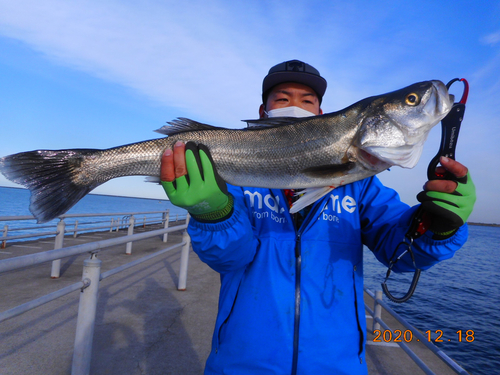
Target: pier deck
<point x="144" y="325"/>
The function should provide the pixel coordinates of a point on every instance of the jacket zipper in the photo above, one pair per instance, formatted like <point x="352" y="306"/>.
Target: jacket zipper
<point x="296" y="325"/>
<point x="298" y="272"/>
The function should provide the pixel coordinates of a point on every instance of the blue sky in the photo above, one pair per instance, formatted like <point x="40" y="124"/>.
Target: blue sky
<point x="98" y="74"/>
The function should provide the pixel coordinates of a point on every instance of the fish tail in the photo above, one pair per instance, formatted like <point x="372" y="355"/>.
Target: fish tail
<point x="55" y="179"/>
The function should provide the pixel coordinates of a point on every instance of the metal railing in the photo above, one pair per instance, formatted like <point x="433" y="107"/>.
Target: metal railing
<point x="376" y="314"/>
<point x="128" y="220"/>
<point x="89" y="285"/>
<point x="118" y="220"/>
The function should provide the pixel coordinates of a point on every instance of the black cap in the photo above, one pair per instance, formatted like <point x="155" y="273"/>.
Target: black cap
<point x="294" y="71"/>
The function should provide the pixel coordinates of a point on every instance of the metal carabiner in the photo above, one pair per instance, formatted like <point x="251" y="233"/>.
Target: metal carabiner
<point x="417" y="272"/>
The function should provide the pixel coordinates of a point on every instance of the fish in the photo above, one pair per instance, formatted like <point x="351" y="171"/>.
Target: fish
<point x="315" y="154"/>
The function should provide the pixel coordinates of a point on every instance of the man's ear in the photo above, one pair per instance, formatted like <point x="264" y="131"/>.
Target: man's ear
<point x="320" y="111"/>
<point x="262" y="111"/>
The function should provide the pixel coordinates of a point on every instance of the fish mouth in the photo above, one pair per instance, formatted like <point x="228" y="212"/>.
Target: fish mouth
<point x="437" y="106"/>
<point x="371" y="161"/>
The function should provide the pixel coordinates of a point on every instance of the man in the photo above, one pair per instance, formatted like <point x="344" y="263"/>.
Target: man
<point x="291" y="298"/>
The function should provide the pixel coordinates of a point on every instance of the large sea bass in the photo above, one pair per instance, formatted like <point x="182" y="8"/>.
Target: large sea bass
<point x="317" y="153"/>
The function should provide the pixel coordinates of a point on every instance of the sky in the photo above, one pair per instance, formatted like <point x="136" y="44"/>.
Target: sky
<point x="99" y="74"/>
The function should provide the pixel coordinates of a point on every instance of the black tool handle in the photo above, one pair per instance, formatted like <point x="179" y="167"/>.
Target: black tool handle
<point x="450" y="127"/>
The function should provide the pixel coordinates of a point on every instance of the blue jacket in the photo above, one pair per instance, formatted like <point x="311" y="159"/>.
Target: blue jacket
<point x="267" y="267"/>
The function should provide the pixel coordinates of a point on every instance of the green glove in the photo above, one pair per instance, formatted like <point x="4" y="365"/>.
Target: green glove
<point x="202" y="192"/>
<point x="449" y="211"/>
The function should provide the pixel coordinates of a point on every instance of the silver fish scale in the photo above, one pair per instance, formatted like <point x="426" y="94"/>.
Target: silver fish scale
<point x="322" y="141"/>
<point x="317" y="141"/>
<point x="142" y="159"/>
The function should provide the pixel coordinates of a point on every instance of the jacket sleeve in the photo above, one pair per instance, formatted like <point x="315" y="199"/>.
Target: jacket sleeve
<point x="227" y="245"/>
<point x="384" y="223"/>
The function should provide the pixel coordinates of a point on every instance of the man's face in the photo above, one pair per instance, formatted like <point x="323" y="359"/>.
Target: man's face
<point x="291" y="94"/>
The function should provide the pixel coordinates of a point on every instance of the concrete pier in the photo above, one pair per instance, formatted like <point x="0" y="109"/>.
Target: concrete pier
<point x="144" y="325"/>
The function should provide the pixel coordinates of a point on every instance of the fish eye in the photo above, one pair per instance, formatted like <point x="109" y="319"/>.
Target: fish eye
<point x="412" y="99"/>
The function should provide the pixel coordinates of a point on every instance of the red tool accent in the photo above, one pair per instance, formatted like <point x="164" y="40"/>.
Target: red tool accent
<point x="466" y="91"/>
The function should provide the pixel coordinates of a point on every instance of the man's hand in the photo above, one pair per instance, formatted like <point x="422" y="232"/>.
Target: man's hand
<point x="173" y="163"/>
<point x="449" y="202"/>
<point x="191" y="182"/>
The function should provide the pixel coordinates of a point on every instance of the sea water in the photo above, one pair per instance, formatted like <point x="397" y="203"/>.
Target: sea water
<point x="15" y="202"/>
<point x="457" y="300"/>
<point x="460" y="294"/>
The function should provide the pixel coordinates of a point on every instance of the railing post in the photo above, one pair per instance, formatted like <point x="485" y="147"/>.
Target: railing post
<point x="377" y="310"/>
<point x="5" y="232"/>
<point x="86" y="316"/>
<point x="58" y="244"/>
<point x="184" y="258"/>
<point x="166" y="218"/>
<point x="130" y="231"/>
<point x="76" y="229"/>
<point x="111" y="225"/>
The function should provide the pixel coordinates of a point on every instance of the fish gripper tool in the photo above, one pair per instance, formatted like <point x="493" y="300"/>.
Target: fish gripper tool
<point x="450" y="128"/>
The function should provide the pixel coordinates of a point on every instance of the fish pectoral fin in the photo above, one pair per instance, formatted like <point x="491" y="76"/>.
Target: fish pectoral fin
<point x="332" y="170"/>
<point x="153" y="179"/>
<point x="310" y="195"/>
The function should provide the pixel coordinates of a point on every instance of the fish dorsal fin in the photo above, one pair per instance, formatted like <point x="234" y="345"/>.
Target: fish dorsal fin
<point x="182" y="124"/>
<point x="271" y="122"/>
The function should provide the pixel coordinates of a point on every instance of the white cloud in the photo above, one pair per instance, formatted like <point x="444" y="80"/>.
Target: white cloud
<point x="194" y="55"/>
<point x="167" y="51"/>
<point x="491" y="39"/>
